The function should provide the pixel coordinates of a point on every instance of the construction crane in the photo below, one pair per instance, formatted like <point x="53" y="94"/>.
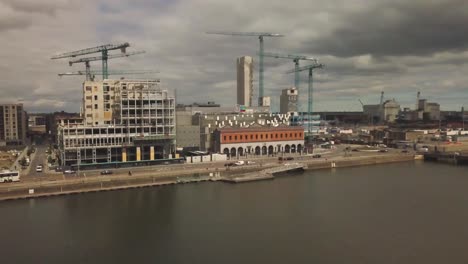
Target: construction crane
<point x="105" y="74"/>
<point x="295" y="58"/>
<point x="260" y="36"/>
<point x="311" y="68"/>
<point x="93" y="73"/>
<point x="103" y="49"/>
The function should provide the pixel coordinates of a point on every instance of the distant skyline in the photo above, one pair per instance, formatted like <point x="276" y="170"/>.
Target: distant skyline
<point x="399" y="47"/>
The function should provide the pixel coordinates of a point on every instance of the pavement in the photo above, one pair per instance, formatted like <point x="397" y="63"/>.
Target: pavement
<point x="39" y="157"/>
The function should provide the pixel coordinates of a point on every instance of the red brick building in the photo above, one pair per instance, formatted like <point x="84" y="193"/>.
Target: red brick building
<point x="259" y="141"/>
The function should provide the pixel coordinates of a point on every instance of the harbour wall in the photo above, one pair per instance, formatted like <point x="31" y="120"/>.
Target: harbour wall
<point x="120" y="182"/>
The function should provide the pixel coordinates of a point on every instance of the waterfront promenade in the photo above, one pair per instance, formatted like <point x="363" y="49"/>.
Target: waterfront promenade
<point x="52" y="183"/>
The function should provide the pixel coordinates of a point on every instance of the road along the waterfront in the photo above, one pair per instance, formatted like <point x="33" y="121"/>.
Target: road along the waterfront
<point x="53" y="186"/>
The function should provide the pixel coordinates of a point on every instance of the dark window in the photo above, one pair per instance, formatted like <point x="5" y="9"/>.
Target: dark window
<point x="224" y="137"/>
<point x="95" y="106"/>
<point x="256" y="136"/>
<point x="95" y="97"/>
<point x="230" y="137"/>
<point x="235" y="137"/>
<point x="251" y="136"/>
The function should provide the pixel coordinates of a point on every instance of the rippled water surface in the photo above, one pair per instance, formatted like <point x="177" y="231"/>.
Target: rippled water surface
<point x="396" y="213"/>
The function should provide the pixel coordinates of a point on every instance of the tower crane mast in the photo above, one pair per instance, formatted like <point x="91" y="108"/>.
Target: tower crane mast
<point x="310" y="68"/>
<point x="260" y="36"/>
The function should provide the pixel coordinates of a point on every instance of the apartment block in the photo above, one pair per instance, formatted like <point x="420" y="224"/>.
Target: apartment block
<point x="13" y="124"/>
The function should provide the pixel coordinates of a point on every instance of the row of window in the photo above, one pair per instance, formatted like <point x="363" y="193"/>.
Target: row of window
<point x="264" y="136"/>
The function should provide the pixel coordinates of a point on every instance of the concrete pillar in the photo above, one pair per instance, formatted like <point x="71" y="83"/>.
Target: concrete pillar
<point x="138" y="153"/>
<point x="124" y="155"/>
<point x="151" y="153"/>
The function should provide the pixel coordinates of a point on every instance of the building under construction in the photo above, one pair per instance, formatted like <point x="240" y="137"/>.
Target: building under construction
<point x="124" y="122"/>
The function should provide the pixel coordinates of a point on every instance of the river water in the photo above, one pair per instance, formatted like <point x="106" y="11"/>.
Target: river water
<point x="394" y="213"/>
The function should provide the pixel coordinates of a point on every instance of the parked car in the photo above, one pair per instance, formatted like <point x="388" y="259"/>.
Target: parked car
<point x="39" y="168"/>
<point x="58" y="169"/>
<point x="239" y="163"/>
<point x="355" y="150"/>
<point x="106" y="172"/>
<point x="383" y="150"/>
<point x="69" y="172"/>
<point x="316" y="156"/>
<point x="404" y="151"/>
<point x="289" y="158"/>
<point x="249" y="162"/>
<point x="229" y="164"/>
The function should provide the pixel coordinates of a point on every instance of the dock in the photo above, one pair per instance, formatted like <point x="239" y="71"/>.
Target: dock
<point x="267" y="174"/>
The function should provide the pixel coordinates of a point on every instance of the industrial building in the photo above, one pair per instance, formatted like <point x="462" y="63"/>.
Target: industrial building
<point x="238" y="142"/>
<point x="245" y="81"/>
<point x="430" y="110"/>
<point x="288" y="101"/>
<point x="425" y="111"/>
<point x="13" y="124"/>
<point x="129" y="121"/>
<point x="385" y="112"/>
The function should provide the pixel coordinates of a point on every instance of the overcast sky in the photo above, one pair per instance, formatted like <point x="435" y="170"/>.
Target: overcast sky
<point x="399" y="47"/>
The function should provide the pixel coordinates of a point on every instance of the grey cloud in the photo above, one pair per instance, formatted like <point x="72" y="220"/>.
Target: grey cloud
<point x="202" y="67"/>
<point x="48" y="7"/>
<point x="12" y="23"/>
<point x="398" y="28"/>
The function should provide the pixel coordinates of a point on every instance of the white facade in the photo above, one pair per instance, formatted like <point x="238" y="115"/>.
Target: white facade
<point x="262" y="148"/>
<point x="245" y="80"/>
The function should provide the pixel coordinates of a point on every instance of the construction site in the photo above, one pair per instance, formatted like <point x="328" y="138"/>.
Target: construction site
<point x="124" y="121"/>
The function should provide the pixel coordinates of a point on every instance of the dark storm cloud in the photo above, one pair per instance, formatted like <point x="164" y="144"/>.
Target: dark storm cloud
<point x="398" y="28"/>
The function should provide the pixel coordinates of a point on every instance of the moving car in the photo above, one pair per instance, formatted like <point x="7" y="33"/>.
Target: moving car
<point x="316" y="156"/>
<point x="383" y="150"/>
<point x="69" y="172"/>
<point x="106" y="172"/>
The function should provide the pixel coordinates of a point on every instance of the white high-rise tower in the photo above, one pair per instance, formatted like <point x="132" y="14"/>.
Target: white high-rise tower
<point x="245" y="81"/>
